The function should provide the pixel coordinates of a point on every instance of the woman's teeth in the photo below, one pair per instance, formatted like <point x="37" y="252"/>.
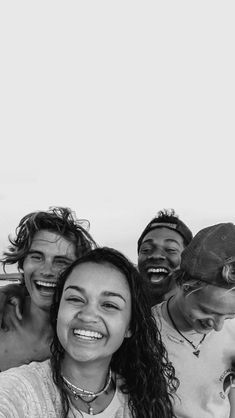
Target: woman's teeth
<point x="85" y="334"/>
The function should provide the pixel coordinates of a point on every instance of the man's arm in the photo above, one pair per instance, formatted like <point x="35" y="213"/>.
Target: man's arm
<point x="231" y="397"/>
<point x="12" y="294"/>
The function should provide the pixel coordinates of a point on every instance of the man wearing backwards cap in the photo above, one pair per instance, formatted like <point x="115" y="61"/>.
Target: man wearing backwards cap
<point x="189" y="321"/>
<point x="159" y="251"/>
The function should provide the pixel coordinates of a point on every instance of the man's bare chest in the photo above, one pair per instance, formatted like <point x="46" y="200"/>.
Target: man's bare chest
<point x="19" y="347"/>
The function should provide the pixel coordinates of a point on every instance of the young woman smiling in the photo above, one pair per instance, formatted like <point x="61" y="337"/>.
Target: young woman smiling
<point x="107" y="356"/>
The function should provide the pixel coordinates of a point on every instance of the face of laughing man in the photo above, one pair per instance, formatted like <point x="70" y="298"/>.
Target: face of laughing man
<point x="159" y="255"/>
<point x="48" y="255"/>
<point x="206" y="309"/>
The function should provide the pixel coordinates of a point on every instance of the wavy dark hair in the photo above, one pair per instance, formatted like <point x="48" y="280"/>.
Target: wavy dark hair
<point x="59" y="220"/>
<point x="141" y="360"/>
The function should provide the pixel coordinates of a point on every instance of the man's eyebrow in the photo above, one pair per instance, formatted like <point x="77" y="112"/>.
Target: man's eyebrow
<point x="34" y="251"/>
<point x="172" y="240"/>
<point x="151" y="240"/>
<point x="148" y="241"/>
<point x="105" y="293"/>
<point x="57" y="257"/>
<point x="208" y="310"/>
<point x="204" y="308"/>
<point x="63" y="257"/>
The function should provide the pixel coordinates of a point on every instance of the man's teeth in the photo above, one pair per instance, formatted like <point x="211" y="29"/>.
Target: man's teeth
<point x="157" y="270"/>
<point x="45" y="284"/>
<point x="85" y="334"/>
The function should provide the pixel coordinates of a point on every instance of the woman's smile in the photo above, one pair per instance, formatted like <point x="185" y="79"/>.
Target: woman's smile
<point x="94" y="313"/>
<point x="87" y="335"/>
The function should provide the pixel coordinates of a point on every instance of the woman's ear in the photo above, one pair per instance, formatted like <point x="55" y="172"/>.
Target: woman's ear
<point x="128" y="333"/>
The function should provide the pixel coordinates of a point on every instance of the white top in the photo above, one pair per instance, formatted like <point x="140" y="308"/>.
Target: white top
<point x="203" y="380"/>
<point x="114" y="406"/>
<point x="28" y="391"/>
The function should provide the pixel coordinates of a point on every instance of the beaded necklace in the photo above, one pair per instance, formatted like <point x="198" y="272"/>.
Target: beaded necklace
<point x="86" y="395"/>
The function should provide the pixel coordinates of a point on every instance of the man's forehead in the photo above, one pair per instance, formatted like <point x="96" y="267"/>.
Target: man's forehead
<point x="212" y="291"/>
<point x="163" y="233"/>
<point x="47" y="237"/>
<point x="216" y="297"/>
<point x="50" y="240"/>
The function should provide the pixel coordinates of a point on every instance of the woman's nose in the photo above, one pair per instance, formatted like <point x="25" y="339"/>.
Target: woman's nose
<point x="88" y="312"/>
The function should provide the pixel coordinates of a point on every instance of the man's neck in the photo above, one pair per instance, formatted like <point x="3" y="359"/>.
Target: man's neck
<point x="35" y="317"/>
<point x="175" y="314"/>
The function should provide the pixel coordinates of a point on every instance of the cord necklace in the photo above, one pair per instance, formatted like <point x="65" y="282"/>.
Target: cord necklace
<point x="196" y="348"/>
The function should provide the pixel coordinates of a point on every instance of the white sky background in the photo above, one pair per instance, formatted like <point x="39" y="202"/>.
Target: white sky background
<point x="117" y="110"/>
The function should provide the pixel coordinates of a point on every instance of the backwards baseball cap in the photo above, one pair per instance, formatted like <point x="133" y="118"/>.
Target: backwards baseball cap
<point x="167" y="219"/>
<point x="210" y="256"/>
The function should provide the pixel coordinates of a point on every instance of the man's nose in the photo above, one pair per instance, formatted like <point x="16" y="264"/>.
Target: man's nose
<point x="158" y="254"/>
<point x="47" y="269"/>
<point x="218" y="323"/>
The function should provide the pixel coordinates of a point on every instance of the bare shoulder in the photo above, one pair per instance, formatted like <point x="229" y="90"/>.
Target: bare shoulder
<point x="10" y="290"/>
<point x="10" y="295"/>
<point x="19" y="345"/>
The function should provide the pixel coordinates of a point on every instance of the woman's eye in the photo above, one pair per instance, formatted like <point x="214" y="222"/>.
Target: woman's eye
<point x="109" y="305"/>
<point x="75" y="299"/>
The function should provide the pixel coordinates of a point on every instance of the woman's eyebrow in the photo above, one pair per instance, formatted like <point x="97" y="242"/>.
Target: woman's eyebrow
<point x="74" y="287"/>
<point x="118" y="295"/>
<point x="105" y="293"/>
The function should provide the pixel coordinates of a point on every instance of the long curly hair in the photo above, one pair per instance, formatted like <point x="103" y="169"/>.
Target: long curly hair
<point x="141" y="361"/>
<point x="57" y="219"/>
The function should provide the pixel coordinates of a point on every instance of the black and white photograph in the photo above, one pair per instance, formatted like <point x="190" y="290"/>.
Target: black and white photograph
<point x="117" y="209"/>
